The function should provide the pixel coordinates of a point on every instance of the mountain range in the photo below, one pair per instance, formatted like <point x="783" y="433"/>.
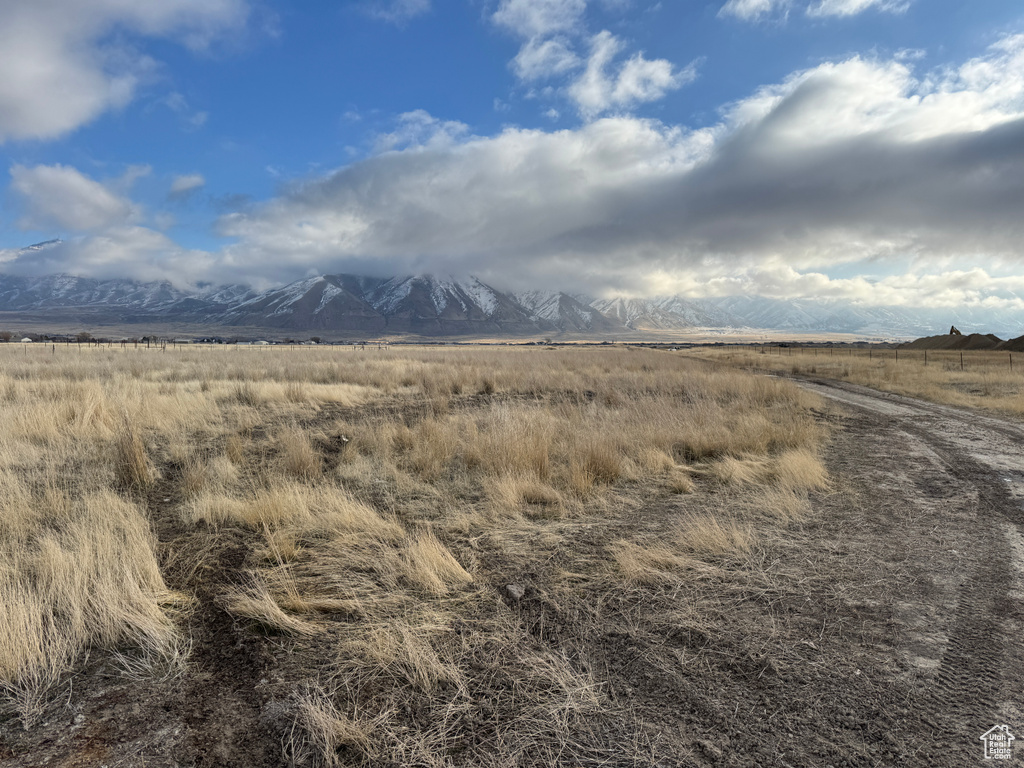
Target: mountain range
<point x="448" y="306"/>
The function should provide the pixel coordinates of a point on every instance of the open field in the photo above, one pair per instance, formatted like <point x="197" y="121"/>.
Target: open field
<point x="498" y="557"/>
<point x="977" y="379"/>
<point x="394" y="549"/>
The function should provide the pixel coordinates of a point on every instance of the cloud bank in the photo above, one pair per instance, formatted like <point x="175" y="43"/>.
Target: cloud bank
<point x="908" y="179"/>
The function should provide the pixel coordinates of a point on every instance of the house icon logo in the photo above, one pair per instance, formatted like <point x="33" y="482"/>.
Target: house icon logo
<point x="998" y="743"/>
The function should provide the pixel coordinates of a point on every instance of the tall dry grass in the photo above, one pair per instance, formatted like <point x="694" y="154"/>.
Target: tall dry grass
<point x="76" y="573"/>
<point x="979" y="379"/>
<point x="383" y="497"/>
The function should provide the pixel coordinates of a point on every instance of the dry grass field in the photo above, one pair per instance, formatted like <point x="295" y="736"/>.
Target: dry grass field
<point x="978" y="379"/>
<point x="421" y="556"/>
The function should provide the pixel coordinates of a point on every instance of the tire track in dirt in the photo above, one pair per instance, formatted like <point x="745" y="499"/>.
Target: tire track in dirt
<point x="979" y="676"/>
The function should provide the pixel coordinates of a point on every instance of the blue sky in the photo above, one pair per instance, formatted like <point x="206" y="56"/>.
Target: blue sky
<point x="863" y="149"/>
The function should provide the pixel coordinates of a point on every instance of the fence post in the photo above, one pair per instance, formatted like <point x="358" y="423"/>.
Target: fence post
<point x="961" y="361"/>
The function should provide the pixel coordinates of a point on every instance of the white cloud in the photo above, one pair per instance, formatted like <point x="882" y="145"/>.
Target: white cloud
<point x="552" y="30"/>
<point x="539" y="59"/>
<point x="860" y="97"/>
<point x="62" y="67"/>
<point x="421" y="129"/>
<point x="752" y="10"/>
<point x="191" y="119"/>
<point x="749" y="10"/>
<point x="58" y="196"/>
<point x="853" y="7"/>
<point x="950" y="288"/>
<point x="134" y="252"/>
<point x="637" y="81"/>
<point x="533" y="19"/>
<point x="398" y="11"/>
<point x="186" y="184"/>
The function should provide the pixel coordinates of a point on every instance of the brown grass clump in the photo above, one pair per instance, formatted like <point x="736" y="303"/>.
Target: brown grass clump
<point x="254" y="601"/>
<point x="245" y="393"/>
<point x="400" y="650"/>
<point x="324" y="510"/>
<point x="88" y="579"/>
<point x="680" y="482"/>
<point x="603" y="462"/>
<point x="234" y="448"/>
<point x="133" y="469"/>
<point x="649" y="563"/>
<point x="429" y="565"/>
<point x="739" y="471"/>
<point x="800" y="469"/>
<point x="298" y="458"/>
<point x="322" y="735"/>
<point x="194" y="476"/>
<point x="712" y="535"/>
<point x="528" y="494"/>
<point x="783" y="504"/>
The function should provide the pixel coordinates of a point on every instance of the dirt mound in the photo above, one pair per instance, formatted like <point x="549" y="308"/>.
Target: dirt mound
<point x="1013" y="345"/>
<point x="955" y="342"/>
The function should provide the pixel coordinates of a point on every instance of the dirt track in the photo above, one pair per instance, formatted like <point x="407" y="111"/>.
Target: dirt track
<point x="941" y="493"/>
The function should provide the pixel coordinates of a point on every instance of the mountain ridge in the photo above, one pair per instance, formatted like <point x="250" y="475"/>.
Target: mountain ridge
<point x="446" y="305"/>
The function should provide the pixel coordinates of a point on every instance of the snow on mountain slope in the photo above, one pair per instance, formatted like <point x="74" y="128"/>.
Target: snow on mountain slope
<point x="664" y="313"/>
<point x="37" y="293"/>
<point x="446" y="305"/>
<point x="425" y="304"/>
<point x="454" y="296"/>
<point x="565" y="312"/>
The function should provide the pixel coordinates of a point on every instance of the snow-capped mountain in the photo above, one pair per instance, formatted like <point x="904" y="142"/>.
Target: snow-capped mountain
<point x="433" y="305"/>
<point x="565" y="312"/>
<point x="54" y="291"/>
<point x="423" y="304"/>
<point x="666" y="313"/>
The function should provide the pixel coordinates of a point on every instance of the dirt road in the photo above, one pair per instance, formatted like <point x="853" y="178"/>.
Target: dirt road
<point x="939" y="557"/>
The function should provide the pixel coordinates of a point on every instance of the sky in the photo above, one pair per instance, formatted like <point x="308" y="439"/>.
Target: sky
<point x="864" y="150"/>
